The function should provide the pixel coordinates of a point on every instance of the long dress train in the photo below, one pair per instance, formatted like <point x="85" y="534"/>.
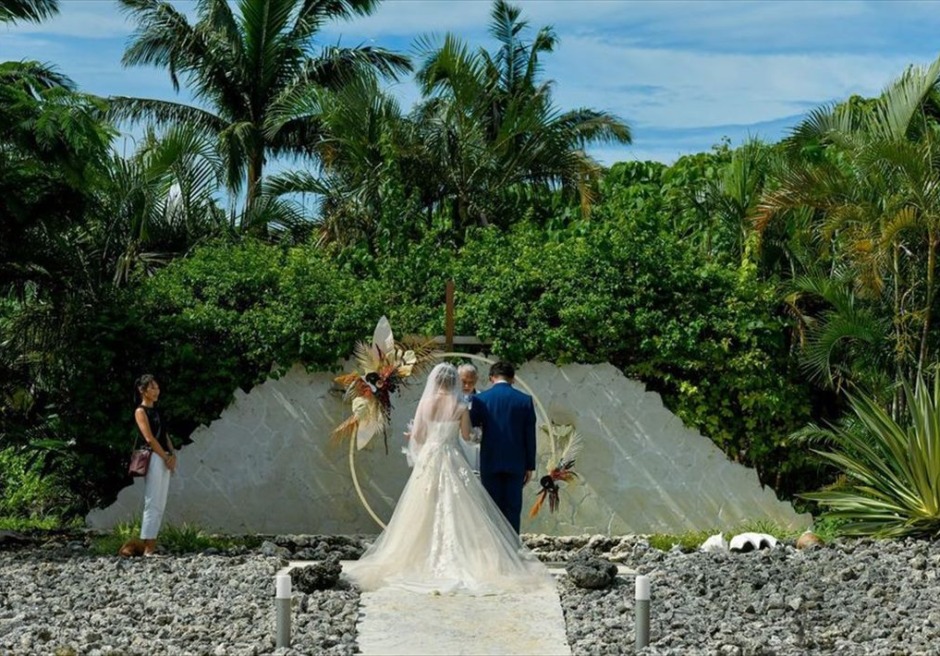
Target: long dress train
<point x="446" y="534"/>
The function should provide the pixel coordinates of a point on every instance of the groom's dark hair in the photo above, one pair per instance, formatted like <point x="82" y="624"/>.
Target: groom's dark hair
<point x="503" y="369"/>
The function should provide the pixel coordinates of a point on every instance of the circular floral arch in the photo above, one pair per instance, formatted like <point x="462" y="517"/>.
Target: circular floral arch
<point x="540" y="410"/>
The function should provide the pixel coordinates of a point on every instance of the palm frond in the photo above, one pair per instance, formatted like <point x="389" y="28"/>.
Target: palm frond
<point x="427" y="352"/>
<point x="337" y="66"/>
<point x="34" y="76"/>
<point x="589" y="126"/>
<point x="903" y="100"/>
<point x="312" y="14"/>
<point x="12" y="11"/>
<point x="301" y="103"/>
<point x="162" y="113"/>
<point x="295" y="182"/>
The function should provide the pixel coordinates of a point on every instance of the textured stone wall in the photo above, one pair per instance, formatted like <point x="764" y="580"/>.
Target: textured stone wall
<point x="267" y="464"/>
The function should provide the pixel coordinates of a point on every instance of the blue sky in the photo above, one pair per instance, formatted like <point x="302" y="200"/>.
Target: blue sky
<point x="683" y="74"/>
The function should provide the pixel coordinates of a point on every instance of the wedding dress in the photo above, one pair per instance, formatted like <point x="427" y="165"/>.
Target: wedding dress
<point x="446" y="534"/>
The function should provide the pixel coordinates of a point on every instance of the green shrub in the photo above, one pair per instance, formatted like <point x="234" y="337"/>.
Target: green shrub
<point x="708" y="339"/>
<point x="227" y="317"/>
<point x="25" y="493"/>
<point x="892" y="468"/>
<point x="619" y="288"/>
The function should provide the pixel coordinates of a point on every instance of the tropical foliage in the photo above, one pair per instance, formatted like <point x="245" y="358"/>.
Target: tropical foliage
<point x="491" y="128"/>
<point x="757" y="288"/>
<point x="12" y="11"/>
<point x="866" y="294"/>
<point x="893" y="469"/>
<point x="250" y="62"/>
<point x="53" y="150"/>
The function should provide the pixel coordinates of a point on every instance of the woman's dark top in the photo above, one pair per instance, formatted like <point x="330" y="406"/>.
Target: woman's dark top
<point x="156" y="426"/>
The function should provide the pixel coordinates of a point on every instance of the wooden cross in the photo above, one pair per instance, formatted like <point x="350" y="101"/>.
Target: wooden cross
<point x="448" y="339"/>
<point x="449" y="315"/>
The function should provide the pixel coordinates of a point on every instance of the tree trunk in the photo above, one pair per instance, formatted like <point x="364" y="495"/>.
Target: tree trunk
<point x="928" y="302"/>
<point x="455" y="214"/>
<point x="898" y="401"/>
<point x="255" y="173"/>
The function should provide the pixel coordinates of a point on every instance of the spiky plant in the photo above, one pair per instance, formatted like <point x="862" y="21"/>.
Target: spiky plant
<point x="893" y="468"/>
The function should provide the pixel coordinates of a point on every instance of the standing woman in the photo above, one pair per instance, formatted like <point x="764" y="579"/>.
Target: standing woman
<point x="162" y="461"/>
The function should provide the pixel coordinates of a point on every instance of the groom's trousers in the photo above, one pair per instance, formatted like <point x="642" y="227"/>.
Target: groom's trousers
<point x="506" y="491"/>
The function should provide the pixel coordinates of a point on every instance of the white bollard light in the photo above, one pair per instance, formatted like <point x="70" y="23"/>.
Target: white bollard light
<point x="642" y="611"/>
<point x="282" y="608"/>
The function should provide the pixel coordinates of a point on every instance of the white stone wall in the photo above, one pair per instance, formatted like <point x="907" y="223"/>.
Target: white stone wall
<point x="267" y="464"/>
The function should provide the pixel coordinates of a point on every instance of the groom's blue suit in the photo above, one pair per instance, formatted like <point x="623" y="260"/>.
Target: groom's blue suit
<point x="507" y="450"/>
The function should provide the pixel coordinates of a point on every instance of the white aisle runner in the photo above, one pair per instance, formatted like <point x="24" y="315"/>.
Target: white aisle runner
<point x="399" y="622"/>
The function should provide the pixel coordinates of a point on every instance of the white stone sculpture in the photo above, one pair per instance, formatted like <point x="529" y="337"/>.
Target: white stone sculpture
<point x="267" y="464"/>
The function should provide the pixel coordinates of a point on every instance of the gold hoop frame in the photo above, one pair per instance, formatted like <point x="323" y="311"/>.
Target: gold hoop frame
<point x="540" y="409"/>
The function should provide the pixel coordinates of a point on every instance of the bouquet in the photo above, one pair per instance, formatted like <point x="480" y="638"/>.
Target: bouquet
<point x="382" y="369"/>
<point x="563" y="471"/>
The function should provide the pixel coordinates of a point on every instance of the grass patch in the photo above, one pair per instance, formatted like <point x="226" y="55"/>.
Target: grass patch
<point x="687" y="542"/>
<point x="188" y="538"/>
<point x="30" y="524"/>
<point x="182" y="539"/>
<point x="826" y="529"/>
<point x="108" y="545"/>
<point x="48" y="523"/>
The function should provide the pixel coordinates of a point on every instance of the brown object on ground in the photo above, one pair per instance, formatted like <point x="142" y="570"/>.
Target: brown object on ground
<point x="132" y="548"/>
<point x="809" y="540"/>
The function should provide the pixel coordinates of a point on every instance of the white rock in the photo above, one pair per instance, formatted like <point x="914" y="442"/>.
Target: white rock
<point x="715" y="544"/>
<point x="752" y="542"/>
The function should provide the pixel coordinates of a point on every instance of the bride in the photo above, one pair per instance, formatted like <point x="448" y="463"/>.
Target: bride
<point x="446" y="534"/>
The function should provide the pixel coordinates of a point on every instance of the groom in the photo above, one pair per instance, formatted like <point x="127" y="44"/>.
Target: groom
<point x="507" y="451"/>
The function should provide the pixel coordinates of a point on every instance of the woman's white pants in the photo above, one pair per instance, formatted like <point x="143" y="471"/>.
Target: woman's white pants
<point x="157" y="485"/>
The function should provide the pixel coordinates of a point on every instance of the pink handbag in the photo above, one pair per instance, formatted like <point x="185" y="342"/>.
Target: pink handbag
<point x="140" y="461"/>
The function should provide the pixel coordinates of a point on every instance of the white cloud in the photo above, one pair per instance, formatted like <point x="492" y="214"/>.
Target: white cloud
<point x="96" y="71"/>
<point x="90" y="19"/>
<point x="409" y="18"/>
<point x="682" y="73"/>
<point x="678" y="64"/>
<point x="684" y="88"/>
<point x="719" y="26"/>
<point x="24" y="46"/>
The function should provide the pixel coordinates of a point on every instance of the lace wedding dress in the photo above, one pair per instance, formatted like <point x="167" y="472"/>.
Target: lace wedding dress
<point x="446" y="534"/>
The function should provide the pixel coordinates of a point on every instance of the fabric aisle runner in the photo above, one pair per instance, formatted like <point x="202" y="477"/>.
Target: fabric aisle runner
<point x="399" y="622"/>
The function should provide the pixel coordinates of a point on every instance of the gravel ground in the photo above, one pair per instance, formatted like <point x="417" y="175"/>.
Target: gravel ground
<point x="852" y="597"/>
<point x="60" y="600"/>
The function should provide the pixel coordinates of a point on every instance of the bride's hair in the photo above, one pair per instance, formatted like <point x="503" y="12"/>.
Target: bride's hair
<point x="440" y="401"/>
<point x="444" y="378"/>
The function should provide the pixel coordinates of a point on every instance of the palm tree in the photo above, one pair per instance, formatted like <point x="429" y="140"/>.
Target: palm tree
<point x="158" y="204"/>
<point x="12" y="11"/>
<point x="248" y="67"/>
<point x="489" y="123"/>
<point x="53" y="148"/>
<point x="874" y="191"/>
<point x="361" y="154"/>
<point x="732" y="198"/>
